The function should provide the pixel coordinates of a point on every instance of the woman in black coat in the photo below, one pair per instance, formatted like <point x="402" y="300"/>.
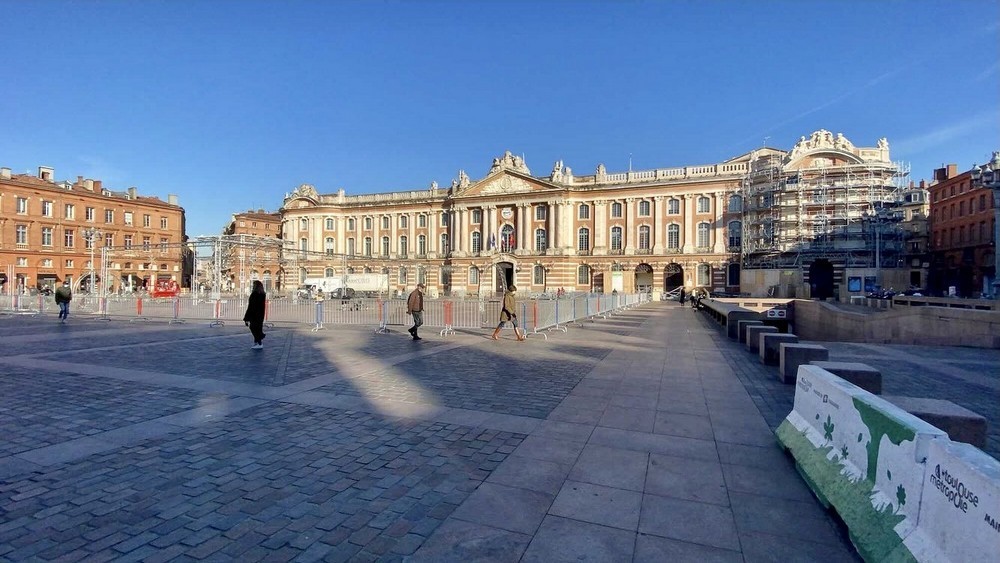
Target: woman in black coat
<point x="254" y="317"/>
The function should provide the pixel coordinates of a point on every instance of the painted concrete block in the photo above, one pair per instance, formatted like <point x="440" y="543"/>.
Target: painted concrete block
<point x="770" y="350"/>
<point x="861" y="455"/>
<point x="791" y="356"/>
<point x="753" y="336"/>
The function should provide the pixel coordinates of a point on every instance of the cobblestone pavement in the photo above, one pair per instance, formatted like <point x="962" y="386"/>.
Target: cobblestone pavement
<point x="642" y="437"/>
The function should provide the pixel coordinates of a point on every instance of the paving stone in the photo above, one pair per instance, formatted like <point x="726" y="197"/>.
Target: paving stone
<point x="508" y="508"/>
<point x="457" y="541"/>
<point x="597" y="504"/>
<point x="563" y="540"/>
<point x="653" y="549"/>
<point x="611" y="467"/>
<point x="694" y="522"/>
<point x="688" y="479"/>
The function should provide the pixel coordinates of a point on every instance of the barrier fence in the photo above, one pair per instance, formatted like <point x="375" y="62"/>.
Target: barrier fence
<point x="535" y="316"/>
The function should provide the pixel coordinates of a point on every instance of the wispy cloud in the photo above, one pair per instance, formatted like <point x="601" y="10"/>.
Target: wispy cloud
<point x="934" y="139"/>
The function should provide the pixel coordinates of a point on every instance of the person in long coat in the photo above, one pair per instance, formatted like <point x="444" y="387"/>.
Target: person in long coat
<point x="254" y="317"/>
<point x="415" y="308"/>
<point x="508" y="314"/>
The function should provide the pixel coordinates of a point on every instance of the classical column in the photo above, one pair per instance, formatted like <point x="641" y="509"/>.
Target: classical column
<point x="489" y="225"/>
<point x="600" y="227"/>
<point x="718" y="233"/>
<point x="566" y="227"/>
<point x="411" y="242"/>
<point x="630" y="230"/>
<point x="522" y="235"/>
<point x="659" y="224"/>
<point x="394" y="236"/>
<point x="553" y="234"/>
<point x="432" y="234"/>
<point x="687" y="237"/>
<point x="316" y="234"/>
<point x="460" y="233"/>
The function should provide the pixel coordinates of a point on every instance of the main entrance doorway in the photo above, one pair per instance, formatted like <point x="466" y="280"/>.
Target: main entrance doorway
<point x="505" y="276"/>
<point x="673" y="277"/>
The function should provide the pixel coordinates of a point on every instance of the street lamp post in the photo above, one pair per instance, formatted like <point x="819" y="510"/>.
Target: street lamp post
<point x="988" y="176"/>
<point x="90" y="234"/>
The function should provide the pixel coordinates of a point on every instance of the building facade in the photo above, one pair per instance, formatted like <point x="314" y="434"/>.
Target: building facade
<point x="54" y="231"/>
<point x="253" y="251"/>
<point x="962" y="229"/>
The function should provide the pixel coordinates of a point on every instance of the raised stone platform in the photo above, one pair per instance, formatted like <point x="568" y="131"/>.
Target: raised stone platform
<point x="794" y="355"/>
<point x="753" y="336"/>
<point x="862" y="375"/>
<point x="961" y="424"/>
<point x="742" y="327"/>
<point x="770" y="344"/>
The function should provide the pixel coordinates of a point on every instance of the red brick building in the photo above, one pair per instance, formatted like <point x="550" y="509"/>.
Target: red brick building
<point x="46" y="227"/>
<point x="252" y="260"/>
<point x="962" y="246"/>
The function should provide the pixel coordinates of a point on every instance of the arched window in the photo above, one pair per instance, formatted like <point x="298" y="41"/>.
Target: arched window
<point x="477" y="242"/>
<point x="329" y="223"/>
<point x="404" y="246"/>
<point x="644" y="237"/>
<point x="735" y="203"/>
<point x="583" y="275"/>
<point x="351" y="224"/>
<point x="704" y="274"/>
<point x="673" y="236"/>
<point x="385" y="246"/>
<point x="584" y="211"/>
<point x="303" y="274"/>
<point x="385" y="221"/>
<point x="616" y="210"/>
<point x="507" y="240"/>
<point x="328" y="273"/>
<point x="644" y="208"/>
<point x="674" y="206"/>
<point x="540" y="242"/>
<point x="303" y="224"/>
<point x="735" y="229"/>
<point x="368" y="246"/>
<point x="583" y="240"/>
<point x="704" y="204"/>
<point x="473" y="275"/>
<point x="368" y="223"/>
<point x="538" y="275"/>
<point x="328" y="245"/>
<point x="703" y="235"/>
<point x="444" y="243"/>
<point x="616" y="238"/>
<point x="404" y="221"/>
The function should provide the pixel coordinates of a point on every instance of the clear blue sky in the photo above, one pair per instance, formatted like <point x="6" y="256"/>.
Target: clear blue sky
<point x="230" y="104"/>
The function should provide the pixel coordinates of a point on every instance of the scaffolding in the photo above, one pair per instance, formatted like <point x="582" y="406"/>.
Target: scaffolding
<point x="831" y="211"/>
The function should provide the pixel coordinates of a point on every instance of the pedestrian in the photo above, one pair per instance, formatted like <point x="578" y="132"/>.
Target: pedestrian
<point x="415" y="307"/>
<point x="254" y="317"/>
<point x="63" y="296"/>
<point x="507" y="314"/>
<point x="680" y="296"/>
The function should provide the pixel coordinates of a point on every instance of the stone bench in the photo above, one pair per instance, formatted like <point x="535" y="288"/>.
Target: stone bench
<point x="742" y="328"/>
<point x="753" y="336"/>
<point x="862" y="375"/>
<point x="770" y="346"/>
<point x="794" y="355"/>
<point x="961" y="424"/>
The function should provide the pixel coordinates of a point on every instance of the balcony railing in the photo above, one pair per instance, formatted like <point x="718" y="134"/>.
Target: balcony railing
<point x="643" y="250"/>
<point x="583" y="252"/>
<point x="616" y="251"/>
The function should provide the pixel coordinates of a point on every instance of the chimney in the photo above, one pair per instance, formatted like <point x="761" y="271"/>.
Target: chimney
<point x="89" y="184"/>
<point x="133" y="193"/>
<point x="98" y="186"/>
<point x="5" y="173"/>
<point x="46" y="173"/>
<point x="172" y="199"/>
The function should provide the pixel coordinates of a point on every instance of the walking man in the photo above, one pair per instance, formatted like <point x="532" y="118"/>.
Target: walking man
<point x="507" y="314"/>
<point x="415" y="307"/>
<point x="63" y="296"/>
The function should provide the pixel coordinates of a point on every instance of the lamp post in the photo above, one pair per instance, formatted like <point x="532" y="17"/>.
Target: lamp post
<point x="988" y="176"/>
<point x="90" y="234"/>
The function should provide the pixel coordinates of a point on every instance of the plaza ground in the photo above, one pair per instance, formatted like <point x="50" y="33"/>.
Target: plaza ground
<point x="643" y="437"/>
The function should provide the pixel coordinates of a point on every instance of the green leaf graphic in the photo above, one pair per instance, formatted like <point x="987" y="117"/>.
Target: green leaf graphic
<point x="828" y="428"/>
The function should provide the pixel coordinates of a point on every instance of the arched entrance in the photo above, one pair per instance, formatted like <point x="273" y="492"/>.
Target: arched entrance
<point x="821" y="279"/>
<point x="733" y="275"/>
<point x="673" y="277"/>
<point x="505" y="276"/>
<point x="644" y="278"/>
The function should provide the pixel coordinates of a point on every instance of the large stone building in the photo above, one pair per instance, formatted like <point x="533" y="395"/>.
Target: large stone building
<point x="253" y="251"/>
<point x="50" y="231"/>
<point x="962" y="227"/>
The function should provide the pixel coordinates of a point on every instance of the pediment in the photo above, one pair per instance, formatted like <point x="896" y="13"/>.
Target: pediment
<point x="504" y="183"/>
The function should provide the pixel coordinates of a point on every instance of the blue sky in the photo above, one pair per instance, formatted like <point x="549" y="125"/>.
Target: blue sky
<point x="230" y="104"/>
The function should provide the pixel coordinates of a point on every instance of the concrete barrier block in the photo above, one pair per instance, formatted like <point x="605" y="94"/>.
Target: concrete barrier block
<point x="959" y="509"/>
<point x="961" y="424"/>
<point x="861" y="455"/>
<point x="742" y="327"/>
<point x="791" y="356"/>
<point x="769" y="347"/>
<point x="733" y="319"/>
<point x="862" y="375"/>
<point x="753" y="336"/>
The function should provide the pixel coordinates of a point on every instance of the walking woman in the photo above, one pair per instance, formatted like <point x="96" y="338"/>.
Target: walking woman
<point x="507" y="314"/>
<point x="254" y="317"/>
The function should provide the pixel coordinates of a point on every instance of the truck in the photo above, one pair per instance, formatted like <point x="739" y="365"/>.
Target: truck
<point x="347" y="285"/>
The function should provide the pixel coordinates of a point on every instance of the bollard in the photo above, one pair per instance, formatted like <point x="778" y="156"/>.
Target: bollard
<point x="177" y="312"/>
<point x="217" y="314"/>
<point x="267" y="314"/>
<point x="534" y="321"/>
<point x="449" y="320"/>
<point x="382" y="320"/>
<point x="319" y="317"/>
<point x="138" y="312"/>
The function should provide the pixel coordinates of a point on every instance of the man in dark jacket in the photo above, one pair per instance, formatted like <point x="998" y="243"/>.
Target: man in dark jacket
<point x="63" y="296"/>
<point x="415" y="307"/>
<point x="254" y="316"/>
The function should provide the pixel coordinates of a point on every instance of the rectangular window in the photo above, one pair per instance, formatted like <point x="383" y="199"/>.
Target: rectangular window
<point x="89" y="213"/>
<point x="69" y="263"/>
<point x="109" y="216"/>
<point x="421" y="220"/>
<point x="329" y="224"/>
<point x="368" y="223"/>
<point x="46" y="236"/>
<point x="46" y="209"/>
<point x="47" y="263"/>
<point x="539" y="275"/>
<point x="539" y="213"/>
<point x="128" y="241"/>
<point x="21" y="234"/>
<point x="128" y="217"/>
<point x="404" y="222"/>
<point x="474" y="276"/>
<point x="477" y="216"/>
<point x="68" y="238"/>
<point x="109" y="240"/>
<point x="385" y="222"/>
<point x="583" y="275"/>
<point x="644" y="208"/>
<point x="22" y="206"/>
<point x="163" y="244"/>
<point x="163" y="222"/>
<point x="70" y="211"/>
<point x="444" y="219"/>
<point x="584" y="211"/>
<point x="21" y="261"/>
<point x="146" y="220"/>
<point x="674" y="207"/>
<point x="350" y="224"/>
<point x="145" y="243"/>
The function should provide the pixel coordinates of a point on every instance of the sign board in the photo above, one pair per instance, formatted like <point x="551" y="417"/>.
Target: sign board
<point x="777" y="313"/>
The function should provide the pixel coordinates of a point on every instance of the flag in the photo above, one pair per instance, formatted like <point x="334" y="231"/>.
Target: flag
<point x="493" y="241"/>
